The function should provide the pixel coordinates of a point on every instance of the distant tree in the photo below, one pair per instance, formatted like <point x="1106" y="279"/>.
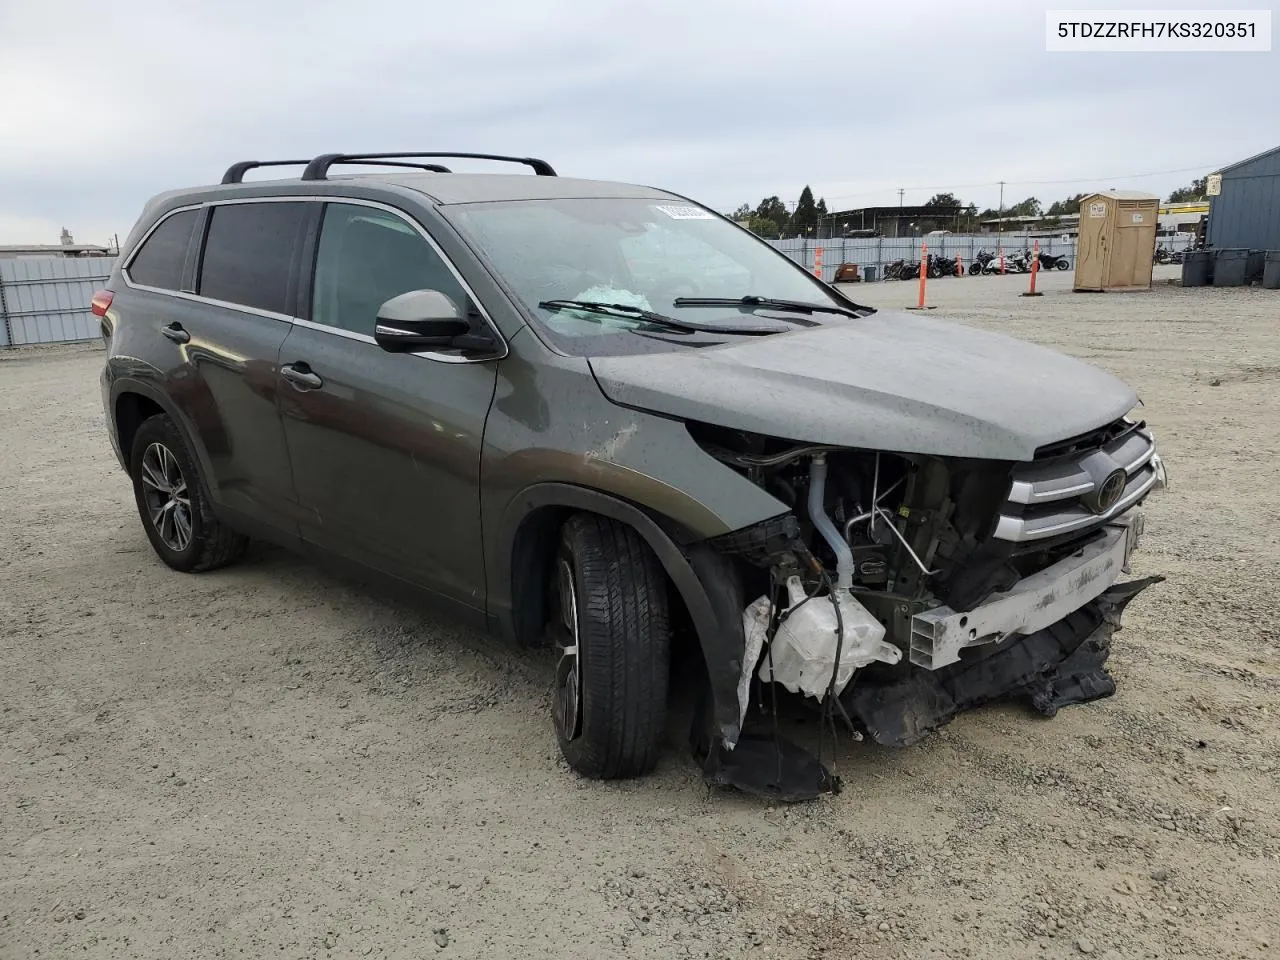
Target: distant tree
<point x="824" y="228"/>
<point x="1198" y="190"/>
<point x="742" y="213"/>
<point x="1029" y="207"/>
<point x="805" y="217"/>
<point x="947" y="201"/>
<point x="763" y="227"/>
<point x="1061" y="208"/>
<point x="775" y="211"/>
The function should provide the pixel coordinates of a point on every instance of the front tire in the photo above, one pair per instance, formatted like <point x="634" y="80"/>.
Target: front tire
<point x="610" y="623"/>
<point x="171" y="501"/>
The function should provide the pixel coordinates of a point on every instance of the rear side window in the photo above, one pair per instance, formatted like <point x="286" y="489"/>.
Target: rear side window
<point x="366" y="257"/>
<point x="248" y="252"/>
<point x="159" y="261"/>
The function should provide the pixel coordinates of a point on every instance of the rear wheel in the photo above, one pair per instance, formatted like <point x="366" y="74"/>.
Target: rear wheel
<point x="175" y="512"/>
<point x="610" y="625"/>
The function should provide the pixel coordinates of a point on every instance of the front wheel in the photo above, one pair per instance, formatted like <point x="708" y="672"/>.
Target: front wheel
<point x="610" y="624"/>
<point x="171" y="501"/>
<point x="1063" y="265"/>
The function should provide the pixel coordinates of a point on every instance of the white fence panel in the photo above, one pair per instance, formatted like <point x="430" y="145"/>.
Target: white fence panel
<point x="46" y="299"/>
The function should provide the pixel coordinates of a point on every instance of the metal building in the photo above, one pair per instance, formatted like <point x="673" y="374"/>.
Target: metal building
<point x="1244" y="204"/>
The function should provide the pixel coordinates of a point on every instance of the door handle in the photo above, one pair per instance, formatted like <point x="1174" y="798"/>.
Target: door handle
<point x="300" y="375"/>
<point x="175" y="333"/>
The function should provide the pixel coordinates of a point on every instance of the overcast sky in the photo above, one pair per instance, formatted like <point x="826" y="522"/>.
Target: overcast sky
<point x="105" y="103"/>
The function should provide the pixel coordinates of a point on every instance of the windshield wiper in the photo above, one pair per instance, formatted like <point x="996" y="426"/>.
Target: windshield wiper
<point x="657" y="319"/>
<point x="794" y="306"/>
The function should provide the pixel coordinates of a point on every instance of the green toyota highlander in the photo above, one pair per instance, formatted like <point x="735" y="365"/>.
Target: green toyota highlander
<point x="603" y="419"/>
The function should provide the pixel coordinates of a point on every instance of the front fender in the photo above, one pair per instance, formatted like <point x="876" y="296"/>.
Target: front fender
<point x="705" y="580"/>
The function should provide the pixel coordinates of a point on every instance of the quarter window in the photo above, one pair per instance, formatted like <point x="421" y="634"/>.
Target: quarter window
<point x="366" y="257"/>
<point x="248" y="253"/>
<point x="159" y="261"/>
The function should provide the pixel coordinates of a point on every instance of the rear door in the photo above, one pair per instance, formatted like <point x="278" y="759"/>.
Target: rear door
<point x="245" y="283"/>
<point x="385" y="447"/>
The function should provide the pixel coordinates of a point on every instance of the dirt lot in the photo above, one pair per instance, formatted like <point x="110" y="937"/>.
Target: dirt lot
<point x="269" y="761"/>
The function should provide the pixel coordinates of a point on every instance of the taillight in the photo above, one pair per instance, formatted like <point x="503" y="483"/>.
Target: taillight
<point x="101" y="302"/>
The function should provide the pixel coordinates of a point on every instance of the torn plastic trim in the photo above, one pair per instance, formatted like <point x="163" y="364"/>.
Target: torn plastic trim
<point x="1051" y="668"/>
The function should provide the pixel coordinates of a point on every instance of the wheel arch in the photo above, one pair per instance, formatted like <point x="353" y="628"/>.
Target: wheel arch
<point x="705" y="582"/>
<point x="132" y="401"/>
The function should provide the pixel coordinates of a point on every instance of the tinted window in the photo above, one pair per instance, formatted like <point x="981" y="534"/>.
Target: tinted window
<point x="366" y="257"/>
<point x="248" y="252"/>
<point x="160" y="259"/>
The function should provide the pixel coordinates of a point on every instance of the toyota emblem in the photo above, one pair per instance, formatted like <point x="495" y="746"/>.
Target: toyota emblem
<point x="1109" y="492"/>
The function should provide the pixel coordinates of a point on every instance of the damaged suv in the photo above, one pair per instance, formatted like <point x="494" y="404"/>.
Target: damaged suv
<point x="594" y="416"/>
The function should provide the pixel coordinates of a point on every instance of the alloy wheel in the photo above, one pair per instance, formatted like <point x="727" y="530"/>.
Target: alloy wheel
<point x="165" y="493"/>
<point x="569" y="666"/>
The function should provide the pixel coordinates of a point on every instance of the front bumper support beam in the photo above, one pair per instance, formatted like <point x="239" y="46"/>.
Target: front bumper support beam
<point x="1058" y="665"/>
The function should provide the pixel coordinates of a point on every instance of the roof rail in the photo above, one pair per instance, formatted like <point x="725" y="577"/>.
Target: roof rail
<point x="235" y="173"/>
<point x="318" y="168"/>
<point x="433" y="167"/>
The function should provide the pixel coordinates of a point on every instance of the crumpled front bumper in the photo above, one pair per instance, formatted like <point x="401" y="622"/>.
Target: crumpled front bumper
<point x="1054" y="667"/>
<point x="1035" y="602"/>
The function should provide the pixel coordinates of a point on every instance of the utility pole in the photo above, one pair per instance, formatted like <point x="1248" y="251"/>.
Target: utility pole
<point x="1000" y="215"/>
<point x="898" y="231"/>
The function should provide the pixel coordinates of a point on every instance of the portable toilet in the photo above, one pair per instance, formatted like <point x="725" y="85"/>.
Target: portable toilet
<point x="1117" y="240"/>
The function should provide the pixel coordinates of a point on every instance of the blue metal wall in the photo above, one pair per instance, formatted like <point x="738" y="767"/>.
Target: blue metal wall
<point x="1247" y="212"/>
<point x="46" y="299"/>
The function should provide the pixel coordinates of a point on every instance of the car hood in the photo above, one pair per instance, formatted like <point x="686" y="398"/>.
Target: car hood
<point x="891" y="381"/>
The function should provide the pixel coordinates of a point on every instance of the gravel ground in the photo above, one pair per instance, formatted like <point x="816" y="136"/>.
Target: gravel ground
<point x="271" y="761"/>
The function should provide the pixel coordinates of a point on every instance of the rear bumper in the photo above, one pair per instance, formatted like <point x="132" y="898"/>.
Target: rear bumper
<point x="109" y="415"/>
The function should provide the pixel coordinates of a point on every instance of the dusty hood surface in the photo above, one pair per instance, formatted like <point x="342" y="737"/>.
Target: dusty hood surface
<point x="891" y="381"/>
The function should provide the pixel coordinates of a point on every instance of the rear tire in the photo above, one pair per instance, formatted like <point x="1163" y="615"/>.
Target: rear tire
<point x="610" y="624"/>
<point x="172" y="504"/>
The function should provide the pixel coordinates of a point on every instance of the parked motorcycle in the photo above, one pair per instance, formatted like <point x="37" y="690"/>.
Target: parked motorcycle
<point x="941" y="266"/>
<point x="980" y="262"/>
<point x="1050" y="261"/>
<point x="1013" y="263"/>
<point x="1020" y="262"/>
<point x="894" y="270"/>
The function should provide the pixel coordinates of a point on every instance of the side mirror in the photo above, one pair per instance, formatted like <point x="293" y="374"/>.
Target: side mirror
<point x="419" y="320"/>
